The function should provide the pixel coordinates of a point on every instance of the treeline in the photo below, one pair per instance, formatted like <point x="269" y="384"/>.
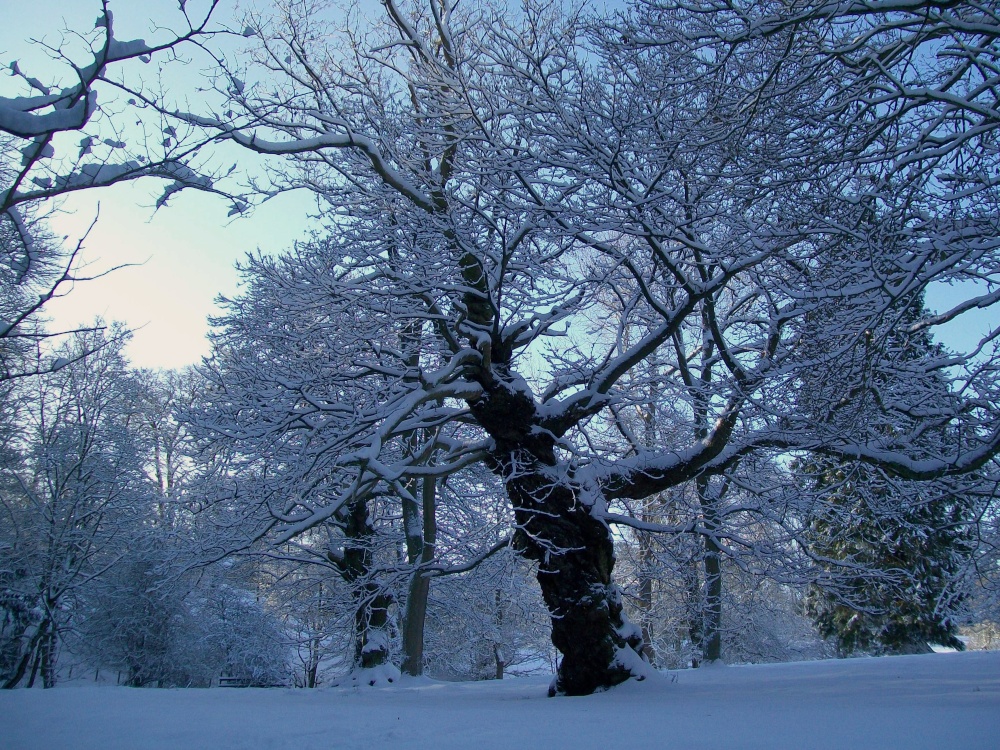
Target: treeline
<point x="133" y="531"/>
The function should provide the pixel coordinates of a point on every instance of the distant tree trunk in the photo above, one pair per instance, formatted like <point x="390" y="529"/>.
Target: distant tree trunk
<point x="47" y="658"/>
<point x="19" y="671"/>
<point x="692" y="585"/>
<point x="712" y="612"/>
<point x="420" y="552"/>
<point x="34" y="671"/>
<point x="650" y="420"/>
<point x="645" y="602"/>
<point x="499" y="657"/>
<point x="413" y="624"/>
<point x="314" y="645"/>
<point x="29" y="656"/>
<point x="712" y="627"/>
<point x="499" y="660"/>
<point x="312" y="666"/>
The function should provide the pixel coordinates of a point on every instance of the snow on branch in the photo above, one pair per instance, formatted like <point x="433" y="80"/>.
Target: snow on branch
<point x="46" y="170"/>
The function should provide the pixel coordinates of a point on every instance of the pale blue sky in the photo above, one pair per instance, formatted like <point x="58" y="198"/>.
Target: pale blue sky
<point x="187" y="250"/>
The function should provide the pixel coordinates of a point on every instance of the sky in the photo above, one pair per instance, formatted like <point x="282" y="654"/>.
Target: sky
<point x="183" y="256"/>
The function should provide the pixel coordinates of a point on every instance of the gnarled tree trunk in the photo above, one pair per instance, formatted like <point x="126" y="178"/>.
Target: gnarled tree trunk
<point x="575" y="556"/>
<point x="371" y="613"/>
<point x="371" y="625"/>
<point x="573" y="549"/>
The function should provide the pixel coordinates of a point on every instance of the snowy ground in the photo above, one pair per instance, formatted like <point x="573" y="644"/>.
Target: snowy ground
<point x="937" y="701"/>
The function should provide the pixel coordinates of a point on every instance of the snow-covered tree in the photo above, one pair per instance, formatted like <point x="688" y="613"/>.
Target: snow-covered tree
<point x="134" y="621"/>
<point x="677" y="576"/>
<point x="158" y="627"/>
<point x="487" y="623"/>
<point x="894" y="555"/>
<point x="299" y="359"/>
<point x="57" y="138"/>
<point x="494" y="176"/>
<point x="897" y="571"/>
<point x="33" y="266"/>
<point x="163" y="398"/>
<point x="70" y="495"/>
<point x="156" y="615"/>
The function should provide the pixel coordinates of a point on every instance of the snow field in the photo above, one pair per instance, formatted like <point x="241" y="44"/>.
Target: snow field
<point x="907" y="702"/>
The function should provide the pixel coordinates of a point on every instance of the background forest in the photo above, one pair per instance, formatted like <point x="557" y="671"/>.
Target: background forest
<point x="610" y="351"/>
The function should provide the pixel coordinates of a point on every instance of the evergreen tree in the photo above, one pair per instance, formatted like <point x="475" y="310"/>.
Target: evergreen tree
<point x="891" y="552"/>
<point x="892" y="556"/>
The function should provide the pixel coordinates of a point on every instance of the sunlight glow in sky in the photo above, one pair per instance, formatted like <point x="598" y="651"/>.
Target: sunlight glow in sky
<point x="183" y="255"/>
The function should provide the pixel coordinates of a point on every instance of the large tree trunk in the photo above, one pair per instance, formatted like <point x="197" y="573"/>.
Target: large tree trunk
<point x="420" y="528"/>
<point x="413" y="624"/>
<point x="575" y="556"/>
<point x="371" y="614"/>
<point x="573" y="549"/>
<point x="371" y="621"/>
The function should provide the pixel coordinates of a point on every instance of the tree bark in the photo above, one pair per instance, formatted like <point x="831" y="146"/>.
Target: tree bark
<point x="575" y="556"/>
<point x="645" y="601"/>
<point x="47" y="657"/>
<point x="694" y="609"/>
<point x="371" y="615"/>
<point x="712" y="627"/>
<point x="499" y="656"/>
<point x="573" y="549"/>
<point x="29" y="656"/>
<point x="312" y="666"/>
<point x="712" y="614"/>
<point x="371" y="620"/>
<point x="420" y="553"/>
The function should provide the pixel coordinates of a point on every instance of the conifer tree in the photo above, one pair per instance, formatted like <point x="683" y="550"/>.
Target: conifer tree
<point x="891" y="552"/>
<point x="894" y="554"/>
